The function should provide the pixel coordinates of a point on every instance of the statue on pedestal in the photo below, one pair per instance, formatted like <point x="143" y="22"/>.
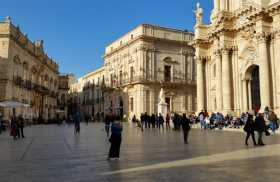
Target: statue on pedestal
<point x="198" y="14"/>
<point x="162" y="105"/>
<point x="162" y="96"/>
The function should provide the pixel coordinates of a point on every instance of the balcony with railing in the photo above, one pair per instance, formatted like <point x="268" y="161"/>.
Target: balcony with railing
<point x="145" y="80"/>
<point x="28" y="85"/>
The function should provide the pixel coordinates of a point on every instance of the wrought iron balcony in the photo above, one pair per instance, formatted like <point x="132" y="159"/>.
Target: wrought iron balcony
<point x="146" y="80"/>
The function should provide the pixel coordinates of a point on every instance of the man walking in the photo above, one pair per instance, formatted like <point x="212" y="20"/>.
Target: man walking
<point x="260" y="127"/>
<point x="21" y="125"/>
<point x="186" y="127"/>
<point x="77" y="123"/>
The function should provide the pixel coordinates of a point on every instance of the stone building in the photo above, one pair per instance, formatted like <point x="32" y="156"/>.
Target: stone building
<point x="140" y="63"/>
<point x="237" y="56"/>
<point x="88" y="94"/>
<point x="64" y="99"/>
<point x="27" y="74"/>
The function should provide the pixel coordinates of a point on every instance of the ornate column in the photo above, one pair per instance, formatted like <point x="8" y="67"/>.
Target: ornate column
<point x="264" y="71"/>
<point x="142" y="61"/>
<point x="245" y="95"/>
<point x="249" y="95"/>
<point x="276" y="29"/>
<point x="200" y="85"/>
<point x="189" y="67"/>
<point x="219" y="96"/>
<point x="216" y="5"/>
<point x="222" y="4"/>
<point x="226" y="82"/>
<point x="277" y="65"/>
<point x="154" y="64"/>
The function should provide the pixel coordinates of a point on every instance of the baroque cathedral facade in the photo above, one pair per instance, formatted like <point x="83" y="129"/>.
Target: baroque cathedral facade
<point x="237" y="55"/>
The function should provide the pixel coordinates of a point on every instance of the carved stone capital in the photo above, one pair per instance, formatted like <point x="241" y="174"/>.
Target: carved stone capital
<point x="262" y="37"/>
<point x="217" y="53"/>
<point x="276" y="34"/>
<point x="203" y="58"/>
<point x="225" y="50"/>
<point x="199" y="60"/>
<point x="143" y="47"/>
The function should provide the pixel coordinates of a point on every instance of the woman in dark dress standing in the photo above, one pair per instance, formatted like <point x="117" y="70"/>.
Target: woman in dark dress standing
<point x="115" y="139"/>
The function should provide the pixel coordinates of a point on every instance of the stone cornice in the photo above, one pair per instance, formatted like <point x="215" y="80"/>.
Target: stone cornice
<point x="201" y="42"/>
<point x="245" y="11"/>
<point x="188" y="52"/>
<point x="224" y="16"/>
<point x="39" y="59"/>
<point x="274" y="9"/>
<point x="147" y="39"/>
<point x="225" y="49"/>
<point x="33" y="48"/>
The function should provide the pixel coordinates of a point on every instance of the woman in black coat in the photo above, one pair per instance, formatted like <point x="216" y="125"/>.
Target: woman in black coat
<point x="249" y="129"/>
<point x="115" y="139"/>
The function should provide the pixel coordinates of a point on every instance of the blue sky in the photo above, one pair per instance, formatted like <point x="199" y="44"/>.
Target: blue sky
<point x="75" y="32"/>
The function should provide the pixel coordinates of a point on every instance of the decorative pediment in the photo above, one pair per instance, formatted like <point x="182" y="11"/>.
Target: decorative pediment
<point x="170" y="61"/>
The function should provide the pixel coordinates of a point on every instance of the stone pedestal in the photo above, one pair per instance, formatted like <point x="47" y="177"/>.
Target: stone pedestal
<point x="162" y="109"/>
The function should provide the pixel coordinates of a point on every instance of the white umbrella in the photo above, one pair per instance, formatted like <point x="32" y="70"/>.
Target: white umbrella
<point x="60" y="111"/>
<point x="13" y="104"/>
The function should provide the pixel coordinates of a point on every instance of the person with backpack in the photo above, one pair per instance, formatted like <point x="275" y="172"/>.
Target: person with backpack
<point x="273" y="121"/>
<point x="260" y="127"/>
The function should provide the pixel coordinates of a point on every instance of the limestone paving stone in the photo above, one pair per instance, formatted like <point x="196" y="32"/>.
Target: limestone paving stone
<point x="54" y="153"/>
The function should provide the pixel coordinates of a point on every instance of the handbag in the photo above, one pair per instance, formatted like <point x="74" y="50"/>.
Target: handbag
<point x="246" y="128"/>
<point x="267" y="133"/>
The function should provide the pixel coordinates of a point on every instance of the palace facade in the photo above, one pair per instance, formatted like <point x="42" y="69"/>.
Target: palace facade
<point x="237" y="55"/>
<point x="87" y="94"/>
<point x="64" y="102"/>
<point x="27" y="74"/>
<point x="140" y="63"/>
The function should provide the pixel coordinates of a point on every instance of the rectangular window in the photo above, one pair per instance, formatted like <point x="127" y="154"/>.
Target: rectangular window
<point x="120" y="77"/>
<point x="167" y="73"/>
<point x="131" y="104"/>
<point x="111" y="80"/>
<point x="131" y="73"/>
<point x="214" y="70"/>
<point x="148" y="102"/>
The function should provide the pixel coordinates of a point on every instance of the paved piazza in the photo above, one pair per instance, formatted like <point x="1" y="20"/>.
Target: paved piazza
<point x="53" y="153"/>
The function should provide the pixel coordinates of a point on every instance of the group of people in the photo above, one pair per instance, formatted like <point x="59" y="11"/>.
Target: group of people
<point x="261" y="123"/>
<point x="159" y="121"/>
<point x="218" y="120"/>
<point x="17" y="126"/>
<point x="149" y="121"/>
